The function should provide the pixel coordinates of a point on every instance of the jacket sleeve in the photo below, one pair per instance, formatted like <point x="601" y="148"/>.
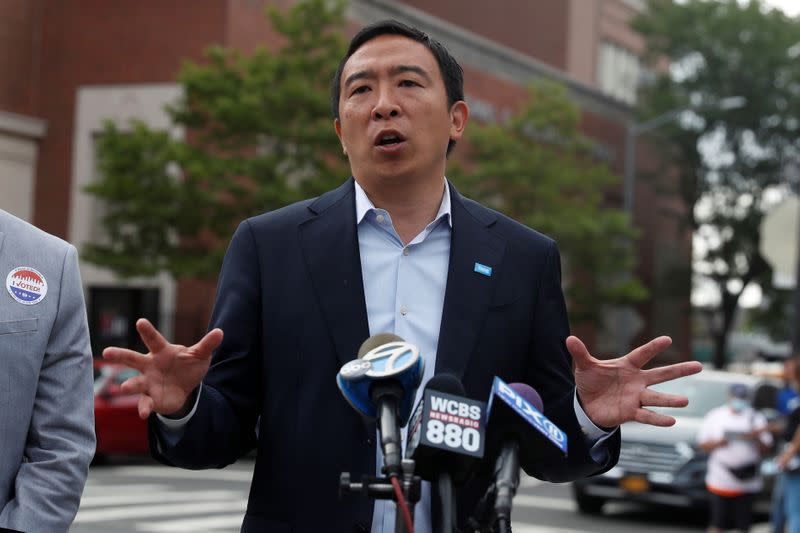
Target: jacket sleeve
<point x="223" y="427"/>
<point x="550" y="371"/>
<point x="61" y="439"/>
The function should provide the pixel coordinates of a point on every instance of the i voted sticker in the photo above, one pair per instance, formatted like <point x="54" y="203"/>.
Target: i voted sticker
<point x="26" y="285"/>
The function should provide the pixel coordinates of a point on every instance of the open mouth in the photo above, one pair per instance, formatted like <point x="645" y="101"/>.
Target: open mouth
<point x="389" y="139"/>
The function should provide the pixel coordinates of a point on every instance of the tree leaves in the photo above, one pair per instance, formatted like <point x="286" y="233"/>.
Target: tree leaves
<point x="258" y="135"/>
<point x="540" y="170"/>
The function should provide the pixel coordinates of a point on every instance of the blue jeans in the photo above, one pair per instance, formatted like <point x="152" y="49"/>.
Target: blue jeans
<point x="778" y="510"/>
<point x="791" y="499"/>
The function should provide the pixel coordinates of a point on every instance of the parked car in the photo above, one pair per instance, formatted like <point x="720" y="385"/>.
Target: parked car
<point x="664" y="465"/>
<point x="117" y="424"/>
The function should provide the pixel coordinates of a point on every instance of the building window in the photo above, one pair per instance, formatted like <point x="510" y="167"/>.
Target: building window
<point x="618" y="72"/>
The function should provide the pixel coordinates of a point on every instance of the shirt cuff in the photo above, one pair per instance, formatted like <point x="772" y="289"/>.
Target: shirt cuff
<point x="594" y="435"/>
<point x="177" y="424"/>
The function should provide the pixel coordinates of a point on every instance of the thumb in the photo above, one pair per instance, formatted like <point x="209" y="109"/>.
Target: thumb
<point x="579" y="353"/>
<point x="208" y="343"/>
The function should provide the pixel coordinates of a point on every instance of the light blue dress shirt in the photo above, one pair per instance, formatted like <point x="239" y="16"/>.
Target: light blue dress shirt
<point x="404" y="287"/>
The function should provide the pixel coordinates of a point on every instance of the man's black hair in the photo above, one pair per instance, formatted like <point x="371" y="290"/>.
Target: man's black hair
<point x="451" y="71"/>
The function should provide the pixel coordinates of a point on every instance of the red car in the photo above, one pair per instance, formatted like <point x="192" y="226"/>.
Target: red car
<point x="117" y="424"/>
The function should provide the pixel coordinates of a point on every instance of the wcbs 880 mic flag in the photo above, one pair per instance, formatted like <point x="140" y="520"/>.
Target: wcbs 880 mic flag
<point x="447" y="431"/>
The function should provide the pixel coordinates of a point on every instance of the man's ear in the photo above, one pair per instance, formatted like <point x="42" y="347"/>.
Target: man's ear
<point x="459" y="116"/>
<point x="337" y="126"/>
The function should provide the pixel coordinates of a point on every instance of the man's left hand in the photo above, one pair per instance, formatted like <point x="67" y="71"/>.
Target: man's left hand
<point x="616" y="390"/>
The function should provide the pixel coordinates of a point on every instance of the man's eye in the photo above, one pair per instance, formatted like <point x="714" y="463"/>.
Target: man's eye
<point x="409" y="83"/>
<point x="360" y="90"/>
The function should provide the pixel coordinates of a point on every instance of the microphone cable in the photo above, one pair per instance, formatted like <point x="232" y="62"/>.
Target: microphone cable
<point x="401" y="503"/>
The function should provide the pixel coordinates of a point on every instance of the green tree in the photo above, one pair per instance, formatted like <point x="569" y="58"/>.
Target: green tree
<point x="537" y="168"/>
<point x="719" y="49"/>
<point x="258" y="135"/>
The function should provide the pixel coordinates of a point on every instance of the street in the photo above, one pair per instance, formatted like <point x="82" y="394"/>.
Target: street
<point x="138" y="495"/>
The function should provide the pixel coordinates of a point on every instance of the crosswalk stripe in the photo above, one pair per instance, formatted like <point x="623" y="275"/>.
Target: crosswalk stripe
<point x="544" y="502"/>
<point x="155" y="497"/>
<point x="93" y="488"/>
<point x="166" y="509"/>
<point x="527" y="528"/>
<point x="194" y="524"/>
<point x="172" y="473"/>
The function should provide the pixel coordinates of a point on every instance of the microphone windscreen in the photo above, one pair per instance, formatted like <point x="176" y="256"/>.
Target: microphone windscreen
<point x="446" y="383"/>
<point x="377" y="340"/>
<point x="529" y="394"/>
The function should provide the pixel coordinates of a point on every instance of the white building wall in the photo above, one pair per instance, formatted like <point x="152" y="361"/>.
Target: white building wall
<point x="121" y="103"/>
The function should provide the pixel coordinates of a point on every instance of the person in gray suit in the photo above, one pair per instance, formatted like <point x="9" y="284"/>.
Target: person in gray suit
<point x="47" y="435"/>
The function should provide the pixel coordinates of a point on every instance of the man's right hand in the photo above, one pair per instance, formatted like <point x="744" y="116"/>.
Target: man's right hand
<point x="169" y="373"/>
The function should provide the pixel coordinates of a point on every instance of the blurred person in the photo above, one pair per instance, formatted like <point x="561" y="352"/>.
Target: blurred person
<point x="737" y="436"/>
<point x="47" y="420"/>
<point x="789" y="465"/>
<point x="393" y="249"/>
<point x="786" y="401"/>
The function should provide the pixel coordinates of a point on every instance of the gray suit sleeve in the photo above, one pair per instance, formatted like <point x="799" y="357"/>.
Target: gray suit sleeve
<point x="61" y="439"/>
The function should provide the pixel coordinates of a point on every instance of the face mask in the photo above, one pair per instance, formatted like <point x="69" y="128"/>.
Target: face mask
<point x="739" y="404"/>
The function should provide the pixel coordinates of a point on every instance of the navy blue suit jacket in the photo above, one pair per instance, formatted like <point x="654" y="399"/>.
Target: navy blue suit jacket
<point x="290" y="301"/>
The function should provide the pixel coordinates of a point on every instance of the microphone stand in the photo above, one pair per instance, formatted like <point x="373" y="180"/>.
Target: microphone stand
<point x="493" y="511"/>
<point x="380" y="488"/>
<point x="447" y="498"/>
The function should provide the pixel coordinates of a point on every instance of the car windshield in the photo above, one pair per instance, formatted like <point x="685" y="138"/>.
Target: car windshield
<point x="704" y="395"/>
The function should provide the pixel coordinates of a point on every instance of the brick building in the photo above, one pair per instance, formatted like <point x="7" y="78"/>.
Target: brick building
<point x="67" y="66"/>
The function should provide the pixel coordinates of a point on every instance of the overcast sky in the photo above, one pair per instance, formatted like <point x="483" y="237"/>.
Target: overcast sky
<point x="790" y="7"/>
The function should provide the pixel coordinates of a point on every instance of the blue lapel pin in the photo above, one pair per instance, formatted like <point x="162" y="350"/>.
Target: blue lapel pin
<point x="483" y="269"/>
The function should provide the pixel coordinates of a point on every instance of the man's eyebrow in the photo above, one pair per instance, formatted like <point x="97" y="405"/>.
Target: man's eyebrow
<point x="360" y="75"/>
<point x="399" y="69"/>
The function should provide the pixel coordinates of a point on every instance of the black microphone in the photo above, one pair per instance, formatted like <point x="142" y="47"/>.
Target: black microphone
<point x="446" y="439"/>
<point x="381" y="384"/>
<point x="517" y="426"/>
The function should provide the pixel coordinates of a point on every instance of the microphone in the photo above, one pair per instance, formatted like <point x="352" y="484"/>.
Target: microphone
<point x="446" y="431"/>
<point x="446" y="439"/>
<point x="380" y="385"/>
<point x="517" y="426"/>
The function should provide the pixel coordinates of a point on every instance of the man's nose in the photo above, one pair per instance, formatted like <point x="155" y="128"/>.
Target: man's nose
<point x="386" y="106"/>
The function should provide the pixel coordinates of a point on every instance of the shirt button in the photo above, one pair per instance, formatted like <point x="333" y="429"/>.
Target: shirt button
<point x="405" y="251"/>
<point x="403" y="310"/>
<point x="380" y="219"/>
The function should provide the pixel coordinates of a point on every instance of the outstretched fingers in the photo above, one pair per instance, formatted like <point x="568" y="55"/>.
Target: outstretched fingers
<point x="151" y="337"/>
<point x="645" y="416"/>
<point x="670" y="372"/>
<point x="208" y="343"/>
<point x="579" y="353"/>
<point x="146" y="404"/>
<point x="135" y="385"/>
<point x="126" y="357"/>
<point x="644" y="353"/>
<point x="651" y="398"/>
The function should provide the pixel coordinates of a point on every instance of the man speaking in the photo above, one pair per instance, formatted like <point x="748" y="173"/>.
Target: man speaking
<point x="393" y="249"/>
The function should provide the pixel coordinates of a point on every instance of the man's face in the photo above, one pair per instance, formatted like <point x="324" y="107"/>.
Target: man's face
<point x="394" y="120"/>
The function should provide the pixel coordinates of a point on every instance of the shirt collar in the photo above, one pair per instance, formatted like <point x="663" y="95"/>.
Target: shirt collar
<point x="364" y="205"/>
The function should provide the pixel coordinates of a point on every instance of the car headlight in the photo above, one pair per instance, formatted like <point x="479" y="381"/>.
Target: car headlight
<point x="685" y="450"/>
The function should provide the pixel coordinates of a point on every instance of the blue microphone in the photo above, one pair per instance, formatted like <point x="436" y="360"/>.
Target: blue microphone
<point x="518" y="427"/>
<point x="381" y="384"/>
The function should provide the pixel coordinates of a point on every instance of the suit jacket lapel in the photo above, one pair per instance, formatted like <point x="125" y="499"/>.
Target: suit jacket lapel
<point x="330" y="246"/>
<point x="468" y="293"/>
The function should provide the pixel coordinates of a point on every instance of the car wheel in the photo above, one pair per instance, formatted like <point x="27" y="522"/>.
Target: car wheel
<point x="587" y="504"/>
